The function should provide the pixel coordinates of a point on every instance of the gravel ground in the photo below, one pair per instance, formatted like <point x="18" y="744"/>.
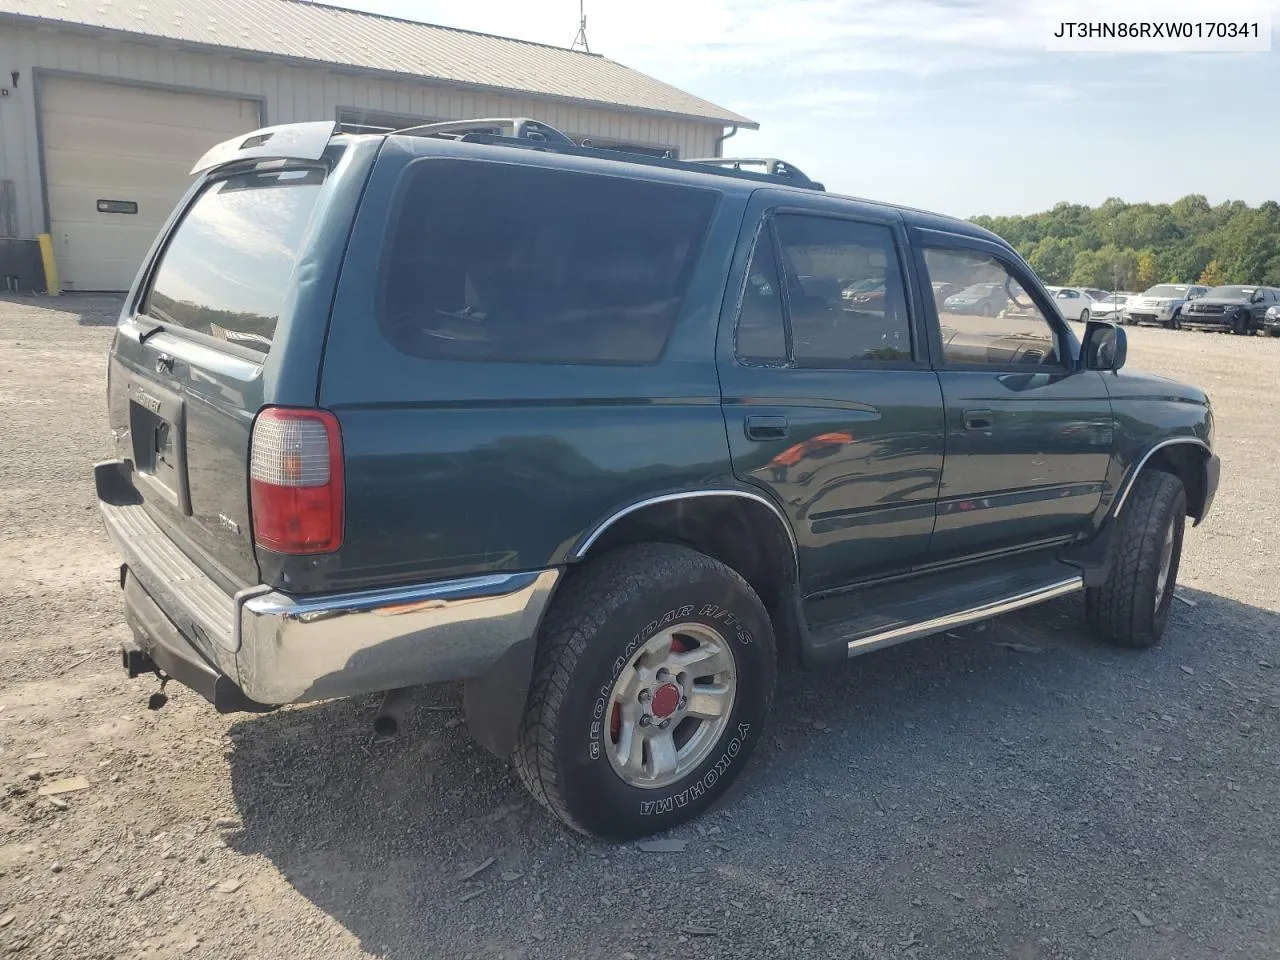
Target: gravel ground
<point x="955" y="797"/>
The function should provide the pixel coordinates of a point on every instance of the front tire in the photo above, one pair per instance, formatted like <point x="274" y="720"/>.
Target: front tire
<point x="652" y="684"/>
<point x="1132" y="608"/>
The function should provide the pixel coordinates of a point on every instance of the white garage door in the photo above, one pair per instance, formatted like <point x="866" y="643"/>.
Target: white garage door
<point x="116" y="160"/>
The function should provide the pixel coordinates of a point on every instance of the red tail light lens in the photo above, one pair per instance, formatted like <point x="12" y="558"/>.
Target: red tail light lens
<point x="295" y="480"/>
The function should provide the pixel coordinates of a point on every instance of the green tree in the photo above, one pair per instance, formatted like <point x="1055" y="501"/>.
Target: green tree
<point x="1148" y="276"/>
<point x="1212" y="275"/>
<point x="1053" y="259"/>
<point x="1135" y="245"/>
<point x="1109" y="268"/>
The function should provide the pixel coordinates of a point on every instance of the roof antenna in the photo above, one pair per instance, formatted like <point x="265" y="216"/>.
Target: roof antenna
<point x="580" y="40"/>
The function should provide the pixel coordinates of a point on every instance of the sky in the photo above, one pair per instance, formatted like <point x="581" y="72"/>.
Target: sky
<point x="949" y="105"/>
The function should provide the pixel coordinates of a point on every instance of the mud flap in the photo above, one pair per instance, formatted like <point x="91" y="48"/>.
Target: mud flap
<point x="494" y="703"/>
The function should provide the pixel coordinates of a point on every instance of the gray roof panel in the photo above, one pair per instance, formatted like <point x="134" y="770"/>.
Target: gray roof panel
<point x="301" y="30"/>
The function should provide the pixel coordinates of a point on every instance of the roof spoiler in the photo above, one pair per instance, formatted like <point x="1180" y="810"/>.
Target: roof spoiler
<point x="290" y="141"/>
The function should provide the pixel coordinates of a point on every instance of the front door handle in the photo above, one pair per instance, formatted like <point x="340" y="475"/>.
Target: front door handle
<point x="766" y="428"/>
<point x="978" y="419"/>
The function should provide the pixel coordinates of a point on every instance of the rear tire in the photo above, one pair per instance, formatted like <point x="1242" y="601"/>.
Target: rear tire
<point x="1132" y="608"/>
<point x="601" y="685"/>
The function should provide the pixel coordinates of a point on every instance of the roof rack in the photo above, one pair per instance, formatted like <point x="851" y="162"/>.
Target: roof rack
<point x="536" y="135"/>
<point x="521" y="128"/>
<point x="770" y="166"/>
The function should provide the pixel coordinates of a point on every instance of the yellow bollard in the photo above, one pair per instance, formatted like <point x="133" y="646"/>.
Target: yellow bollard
<point x="52" y="285"/>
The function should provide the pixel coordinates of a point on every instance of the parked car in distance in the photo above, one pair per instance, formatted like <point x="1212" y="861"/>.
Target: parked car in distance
<point x="1237" y="308"/>
<point x="864" y="294"/>
<point x="439" y="457"/>
<point x="1110" y="307"/>
<point x="1271" y="321"/>
<point x="1074" y="303"/>
<point x="984" y="299"/>
<point x="1162" y="304"/>
<point x="1097" y="294"/>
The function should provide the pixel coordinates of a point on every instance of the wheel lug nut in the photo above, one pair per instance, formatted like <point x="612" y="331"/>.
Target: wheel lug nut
<point x="664" y="724"/>
<point x="644" y="696"/>
<point x="683" y="702"/>
<point x="645" y="721"/>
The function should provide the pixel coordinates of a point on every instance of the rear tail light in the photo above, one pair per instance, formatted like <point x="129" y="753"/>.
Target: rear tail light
<point x="295" y="480"/>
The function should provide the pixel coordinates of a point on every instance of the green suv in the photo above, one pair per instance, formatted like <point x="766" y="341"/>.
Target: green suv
<point x="602" y="436"/>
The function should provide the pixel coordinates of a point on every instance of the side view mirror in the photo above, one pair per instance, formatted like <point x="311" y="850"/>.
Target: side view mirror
<point x="1257" y="298"/>
<point x="1105" y="346"/>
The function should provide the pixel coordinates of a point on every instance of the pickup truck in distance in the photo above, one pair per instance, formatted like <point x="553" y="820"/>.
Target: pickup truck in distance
<point x="602" y="437"/>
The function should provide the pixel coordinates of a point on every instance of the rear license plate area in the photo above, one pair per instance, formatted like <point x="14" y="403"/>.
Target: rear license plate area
<point x="156" y="426"/>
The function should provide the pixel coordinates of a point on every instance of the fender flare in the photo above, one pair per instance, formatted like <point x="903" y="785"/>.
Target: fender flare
<point x="585" y="543"/>
<point x="1126" y="485"/>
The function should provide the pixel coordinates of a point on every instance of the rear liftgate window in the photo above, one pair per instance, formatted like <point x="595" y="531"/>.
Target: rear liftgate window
<point x="502" y="263"/>
<point x="226" y="271"/>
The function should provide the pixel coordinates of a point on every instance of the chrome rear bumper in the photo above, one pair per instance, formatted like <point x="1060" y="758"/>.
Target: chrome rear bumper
<point x="281" y="649"/>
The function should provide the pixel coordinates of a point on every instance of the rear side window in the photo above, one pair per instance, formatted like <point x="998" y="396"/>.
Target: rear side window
<point x="845" y="297"/>
<point x="226" y="270"/>
<point x="506" y="263"/>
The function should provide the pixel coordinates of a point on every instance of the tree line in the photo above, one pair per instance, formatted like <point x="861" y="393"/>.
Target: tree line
<point x="1131" y="246"/>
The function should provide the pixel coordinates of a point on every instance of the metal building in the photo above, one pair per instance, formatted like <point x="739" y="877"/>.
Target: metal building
<point x="105" y="105"/>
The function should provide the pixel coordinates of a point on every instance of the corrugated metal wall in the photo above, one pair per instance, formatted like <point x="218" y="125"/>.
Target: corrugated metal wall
<point x="288" y="94"/>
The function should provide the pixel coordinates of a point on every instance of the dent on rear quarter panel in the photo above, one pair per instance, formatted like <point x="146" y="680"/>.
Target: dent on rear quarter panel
<point x="456" y="468"/>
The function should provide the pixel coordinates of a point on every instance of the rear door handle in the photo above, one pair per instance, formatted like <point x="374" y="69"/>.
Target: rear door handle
<point x="978" y="419"/>
<point x="766" y="428"/>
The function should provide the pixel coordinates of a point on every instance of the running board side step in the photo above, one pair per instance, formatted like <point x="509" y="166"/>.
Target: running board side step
<point x="995" y="608"/>
<point x="849" y="623"/>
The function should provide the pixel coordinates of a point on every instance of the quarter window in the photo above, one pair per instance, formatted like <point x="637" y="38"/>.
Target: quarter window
<point x="988" y="318"/>
<point x="761" y="331"/>
<point x="498" y="262"/>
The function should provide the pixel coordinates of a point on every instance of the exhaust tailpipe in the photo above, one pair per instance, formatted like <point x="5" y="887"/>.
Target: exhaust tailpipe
<point x="391" y="714"/>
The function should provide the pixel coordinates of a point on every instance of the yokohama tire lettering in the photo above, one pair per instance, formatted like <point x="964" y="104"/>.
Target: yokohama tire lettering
<point x="702" y="785"/>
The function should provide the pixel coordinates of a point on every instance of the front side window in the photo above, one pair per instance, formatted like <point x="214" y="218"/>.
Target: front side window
<point x="498" y="262"/>
<point x="227" y="268"/>
<point x="991" y="320"/>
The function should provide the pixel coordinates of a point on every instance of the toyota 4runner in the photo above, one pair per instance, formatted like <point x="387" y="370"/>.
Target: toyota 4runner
<point x="602" y="437"/>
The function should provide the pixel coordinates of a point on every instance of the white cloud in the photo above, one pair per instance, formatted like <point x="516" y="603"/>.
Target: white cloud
<point x="925" y="82"/>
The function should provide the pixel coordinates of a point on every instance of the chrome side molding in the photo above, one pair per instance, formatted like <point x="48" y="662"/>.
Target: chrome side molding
<point x="581" y="550"/>
<point x="982" y="611"/>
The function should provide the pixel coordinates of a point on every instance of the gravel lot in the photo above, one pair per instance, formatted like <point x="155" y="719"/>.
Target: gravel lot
<point x="955" y="797"/>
